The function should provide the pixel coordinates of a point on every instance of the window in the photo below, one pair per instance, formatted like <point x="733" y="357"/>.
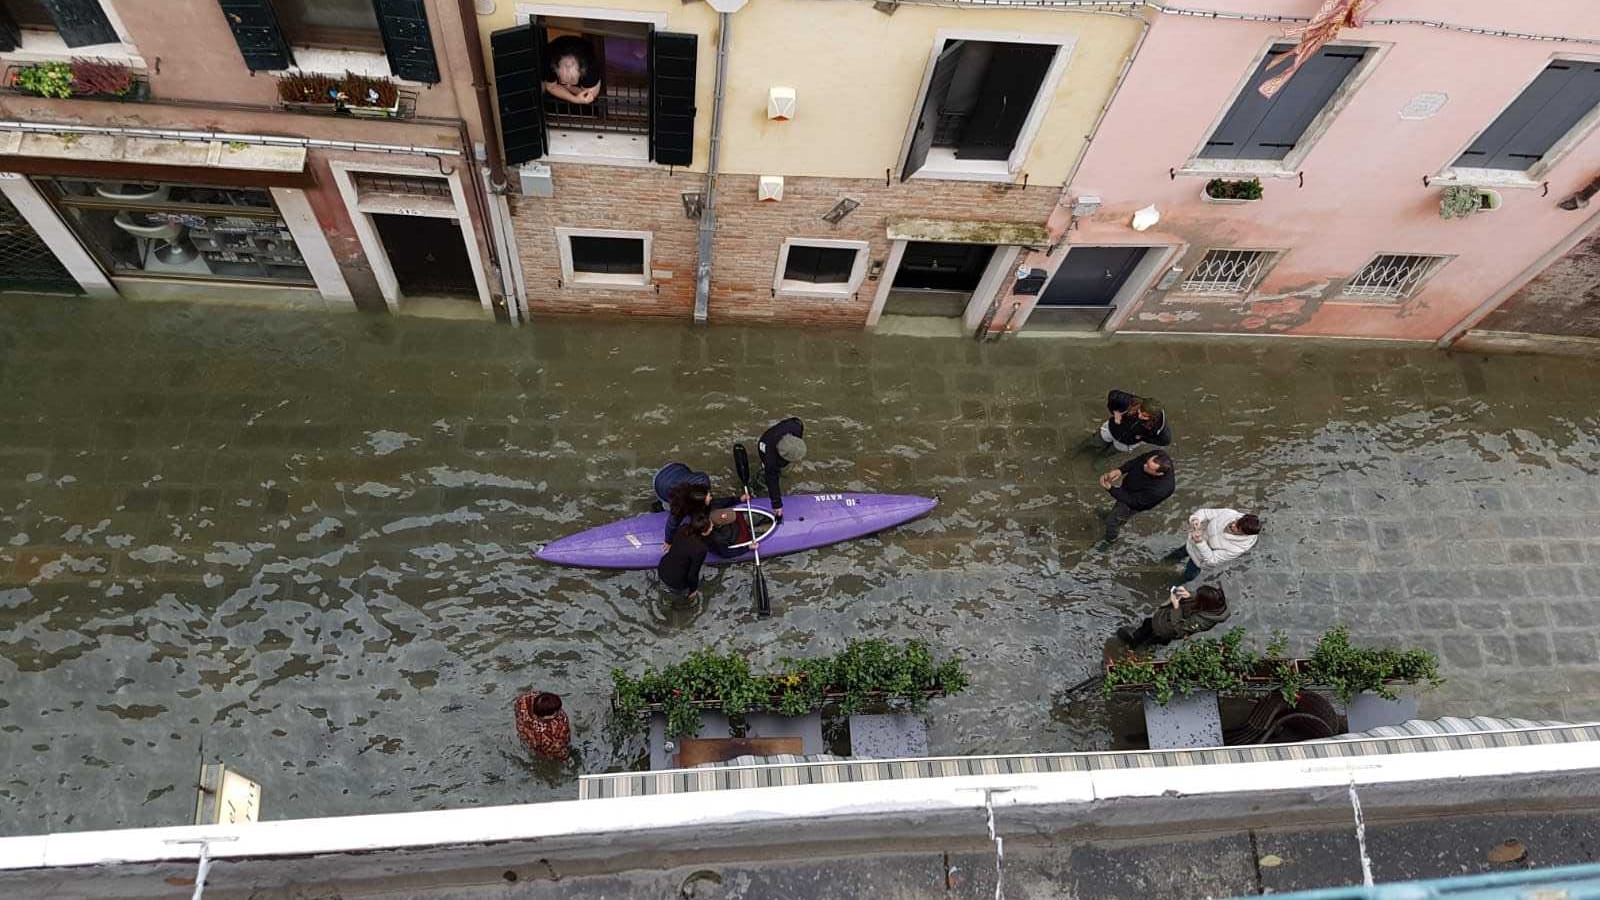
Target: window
<point x="75" y="23"/>
<point x="330" y="24"/>
<point x="980" y="98"/>
<point x="593" y="258"/>
<point x="1544" y="113"/>
<point x="173" y="230"/>
<point x="1226" y="273"/>
<point x="1261" y="129"/>
<point x="598" y="89"/>
<point x="1391" y="276"/>
<point x="820" y="268"/>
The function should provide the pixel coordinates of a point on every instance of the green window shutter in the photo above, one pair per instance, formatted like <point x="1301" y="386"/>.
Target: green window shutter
<point x="255" y="30"/>
<point x="517" y="85"/>
<point x="408" y="40"/>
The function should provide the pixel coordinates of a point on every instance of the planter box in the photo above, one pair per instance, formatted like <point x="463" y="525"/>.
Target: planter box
<point x="1205" y="195"/>
<point x="138" y="89"/>
<point x="343" y="109"/>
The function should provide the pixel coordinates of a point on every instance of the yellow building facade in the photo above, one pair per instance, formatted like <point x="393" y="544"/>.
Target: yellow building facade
<point x="873" y="159"/>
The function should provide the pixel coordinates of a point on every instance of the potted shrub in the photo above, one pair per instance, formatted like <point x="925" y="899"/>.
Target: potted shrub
<point x="865" y="673"/>
<point x="1229" y="664"/>
<point x="1223" y="190"/>
<point x="377" y="97"/>
<point x="51" y="79"/>
<point x="1461" y="200"/>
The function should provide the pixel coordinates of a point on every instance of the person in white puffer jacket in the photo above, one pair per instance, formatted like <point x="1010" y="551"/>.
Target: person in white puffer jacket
<point x="1216" y="537"/>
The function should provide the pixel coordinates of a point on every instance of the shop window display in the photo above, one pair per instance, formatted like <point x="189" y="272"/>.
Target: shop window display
<point x="180" y="230"/>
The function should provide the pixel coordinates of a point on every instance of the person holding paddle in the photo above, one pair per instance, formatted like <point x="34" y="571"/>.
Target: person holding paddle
<point x="780" y="445"/>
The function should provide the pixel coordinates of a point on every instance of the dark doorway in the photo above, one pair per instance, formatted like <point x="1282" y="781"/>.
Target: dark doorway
<point x="937" y="279"/>
<point x="428" y="255"/>
<point x="1080" y="295"/>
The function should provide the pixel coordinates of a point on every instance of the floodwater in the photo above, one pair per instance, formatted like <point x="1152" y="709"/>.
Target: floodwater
<point x="300" y="543"/>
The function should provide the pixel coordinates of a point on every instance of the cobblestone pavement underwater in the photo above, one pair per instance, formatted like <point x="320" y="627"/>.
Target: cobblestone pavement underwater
<point x="301" y="542"/>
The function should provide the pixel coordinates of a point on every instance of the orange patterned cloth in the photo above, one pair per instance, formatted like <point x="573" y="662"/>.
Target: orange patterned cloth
<point x="1323" y="27"/>
<point x="548" y="736"/>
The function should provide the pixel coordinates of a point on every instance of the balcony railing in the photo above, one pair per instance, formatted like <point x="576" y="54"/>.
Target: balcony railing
<point x="620" y="109"/>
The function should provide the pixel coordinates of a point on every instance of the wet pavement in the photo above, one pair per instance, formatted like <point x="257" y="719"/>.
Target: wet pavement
<point x="300" y="543"/>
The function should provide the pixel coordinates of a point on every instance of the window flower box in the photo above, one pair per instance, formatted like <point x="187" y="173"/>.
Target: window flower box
<point x="1225" y="191"/>
<point x="80" y="79"/>
<point x="351" y="95"/>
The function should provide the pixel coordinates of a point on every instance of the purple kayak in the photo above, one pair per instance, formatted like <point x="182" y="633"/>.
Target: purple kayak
<point x="809" y="520"/>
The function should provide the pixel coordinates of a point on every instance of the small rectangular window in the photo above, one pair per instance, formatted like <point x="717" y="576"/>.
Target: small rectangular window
<point x="607" y="255"/>
<point x="1391" y="276"/>
<point x="820" y="265"/>
<point x="330" y="24"/>
<point x="820" y="268"/>
<point x="1544" y="113"/>
<point x="1226" y="273"/>
<point x="1257" y="127"/>
<point x="604" y="259"/>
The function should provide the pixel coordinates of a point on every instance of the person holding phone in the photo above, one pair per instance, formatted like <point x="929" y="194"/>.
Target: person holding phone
<point x="1183" y="614"/>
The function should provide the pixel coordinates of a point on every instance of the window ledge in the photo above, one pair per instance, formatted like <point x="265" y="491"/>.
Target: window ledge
<point x="610" y="282"/>
<point x="1499" y="178"/>
<point x="942" y="164"/>
<point x="804" y="289"/>
<point x="598" y="148"/>
<point x="1230" y="168"/>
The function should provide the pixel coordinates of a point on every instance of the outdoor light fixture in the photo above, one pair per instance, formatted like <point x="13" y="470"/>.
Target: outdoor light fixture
<point x="694" y="203"/>
<point x="887" y="7"/>
<point x="841" y="209"/>
<point x="1086" y="205"/>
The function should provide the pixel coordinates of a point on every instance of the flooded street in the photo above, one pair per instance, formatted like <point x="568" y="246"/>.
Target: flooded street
<point x="301" y="543"/>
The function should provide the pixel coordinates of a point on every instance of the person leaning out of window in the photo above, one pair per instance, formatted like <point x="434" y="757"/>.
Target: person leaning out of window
<point x="570" y="72"/>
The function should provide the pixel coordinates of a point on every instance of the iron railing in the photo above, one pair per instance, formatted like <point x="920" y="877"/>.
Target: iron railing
<point x="620" y="109"/>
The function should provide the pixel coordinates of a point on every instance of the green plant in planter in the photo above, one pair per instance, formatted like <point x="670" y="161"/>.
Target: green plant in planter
<point x="1353" y="670"/>
<point x="53" y="79"/>
<point x="1226" y="189"/>
<point x="1458" y="201"/>
<point x="862" y="671"/>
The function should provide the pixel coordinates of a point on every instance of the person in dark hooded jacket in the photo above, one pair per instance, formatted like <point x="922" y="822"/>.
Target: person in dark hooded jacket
<point x="1134" y="421"/>
<point x="780" y="445"/>
<point x="1184" y="614"/>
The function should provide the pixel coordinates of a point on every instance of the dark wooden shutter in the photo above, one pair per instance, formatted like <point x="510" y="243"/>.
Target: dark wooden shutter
<point x="944" y="71"/>
<point x="255" y="30"/>
<point x="408" y="40"/>
<point x="10" y="34"/>
<point x="1259" y="128"/>
<point x="672" y="81"/>
<point x="517" y="76"/>
<point x="1009" y="87"/>
<point x="1541" y="115"/>
<point x="607" y="255"/>
<point x="82" y="23"/>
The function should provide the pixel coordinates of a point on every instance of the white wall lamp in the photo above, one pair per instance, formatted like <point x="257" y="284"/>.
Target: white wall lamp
<point x="780" y="103"/>
<point x="1145" y="218"/>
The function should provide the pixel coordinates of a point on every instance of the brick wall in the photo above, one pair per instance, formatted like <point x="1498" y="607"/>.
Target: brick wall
<point x="1563" y="299"/>
<point x="749" y="237"/>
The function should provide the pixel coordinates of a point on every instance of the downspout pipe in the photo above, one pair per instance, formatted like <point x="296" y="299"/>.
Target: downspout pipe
<point x="708" y="212"/>
<point x="480" y="88"/>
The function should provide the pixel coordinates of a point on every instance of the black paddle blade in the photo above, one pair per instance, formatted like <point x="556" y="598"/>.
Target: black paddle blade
<point x="759" y="591"/>
<point x="741" y="462"/>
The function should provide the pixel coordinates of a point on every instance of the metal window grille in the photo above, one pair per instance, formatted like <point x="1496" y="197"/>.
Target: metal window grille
<point x="26" y="264"/>
<point x="1226" y="272"/>
<point x="1391" y="276"/>
<point x="404" y="185"/>
<point x="619" y="109"/>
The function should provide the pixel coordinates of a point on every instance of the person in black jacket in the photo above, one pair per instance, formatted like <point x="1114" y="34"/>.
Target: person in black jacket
<point x="1137" y="485"/>
<point x="679" y="568"/>
<point x="1133" y="421"/>
<point x="780" y="445"/>
<point x="688" y="498"/>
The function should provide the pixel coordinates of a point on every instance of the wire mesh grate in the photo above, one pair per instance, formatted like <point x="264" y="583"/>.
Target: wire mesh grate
<point x="26" y="264"/>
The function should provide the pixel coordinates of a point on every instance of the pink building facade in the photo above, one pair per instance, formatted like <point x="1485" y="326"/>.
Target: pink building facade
<point x="1354" y="157"/>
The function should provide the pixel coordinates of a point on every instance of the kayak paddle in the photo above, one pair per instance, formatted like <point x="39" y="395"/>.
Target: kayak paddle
<point x="741" y="463"/>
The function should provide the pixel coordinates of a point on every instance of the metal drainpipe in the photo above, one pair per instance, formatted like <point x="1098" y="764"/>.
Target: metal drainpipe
<point x="708" y="215"/>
